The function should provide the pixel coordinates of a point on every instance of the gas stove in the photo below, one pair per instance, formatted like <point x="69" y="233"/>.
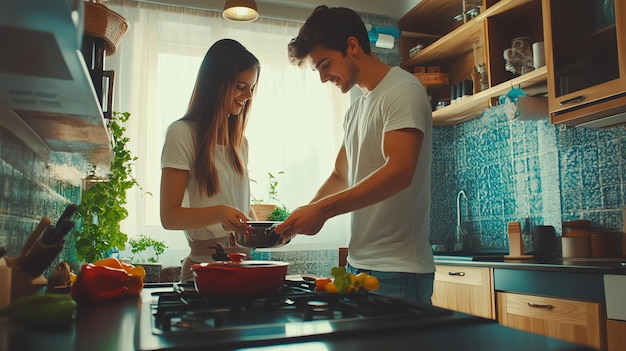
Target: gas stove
<point x="178" y="317"/>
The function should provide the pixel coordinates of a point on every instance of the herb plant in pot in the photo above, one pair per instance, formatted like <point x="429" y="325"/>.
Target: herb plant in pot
<point x="146" y="252"/>
<point x="274" y="210"/>
<point x="102" y="207"/>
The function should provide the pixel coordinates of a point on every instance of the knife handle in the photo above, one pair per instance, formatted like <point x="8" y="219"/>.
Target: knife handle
<point x="67" y="214"/>
<point x="43" y="224"/>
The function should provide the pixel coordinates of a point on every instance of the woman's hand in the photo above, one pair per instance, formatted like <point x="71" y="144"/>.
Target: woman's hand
<point x="233" y="220"/>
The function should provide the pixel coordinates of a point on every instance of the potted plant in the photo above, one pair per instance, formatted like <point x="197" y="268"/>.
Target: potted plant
<point x="146" y="252"/>
<point x="275" y="210"/>
<point x="102" y="207"/>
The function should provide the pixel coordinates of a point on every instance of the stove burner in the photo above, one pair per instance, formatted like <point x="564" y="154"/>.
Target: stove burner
<point x="317" y="310"/>
<point x="191" y="320"/>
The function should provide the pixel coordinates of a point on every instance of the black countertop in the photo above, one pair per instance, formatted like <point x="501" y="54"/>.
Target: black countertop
<point x="113" y="327"/>
<point x="499" y="260"/>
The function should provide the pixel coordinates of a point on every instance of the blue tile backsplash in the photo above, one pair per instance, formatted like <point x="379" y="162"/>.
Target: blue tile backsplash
<point x="527" y="171"/>
<point x="31" y="188"/>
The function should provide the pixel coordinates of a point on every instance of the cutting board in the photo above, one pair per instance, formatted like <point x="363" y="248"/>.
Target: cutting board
<point x="516" y="244"/>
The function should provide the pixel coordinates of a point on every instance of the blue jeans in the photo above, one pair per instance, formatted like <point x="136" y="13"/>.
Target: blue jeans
<point x="415" y="287"/>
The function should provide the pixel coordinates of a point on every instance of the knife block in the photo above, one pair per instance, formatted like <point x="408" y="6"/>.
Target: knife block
<point x="27" y="270"/>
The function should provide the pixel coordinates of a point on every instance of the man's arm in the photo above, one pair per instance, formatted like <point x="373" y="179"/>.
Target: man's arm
<point x="401" y="149"/>
<point x="338" y="179"/>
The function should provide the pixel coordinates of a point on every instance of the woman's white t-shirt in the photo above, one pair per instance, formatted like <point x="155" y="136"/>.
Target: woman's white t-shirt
<point x="179" y="152"/>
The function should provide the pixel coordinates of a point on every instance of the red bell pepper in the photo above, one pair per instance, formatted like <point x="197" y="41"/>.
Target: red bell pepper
<point x="100" y="283"/>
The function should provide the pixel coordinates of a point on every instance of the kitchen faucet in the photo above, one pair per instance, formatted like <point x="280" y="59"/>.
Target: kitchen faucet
<point x="459" y="227"/>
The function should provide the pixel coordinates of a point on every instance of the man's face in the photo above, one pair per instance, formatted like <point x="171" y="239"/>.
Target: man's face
<point x="334" y="67"/>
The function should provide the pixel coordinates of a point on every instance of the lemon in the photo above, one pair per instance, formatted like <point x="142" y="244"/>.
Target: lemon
<point x="370" y="283"/>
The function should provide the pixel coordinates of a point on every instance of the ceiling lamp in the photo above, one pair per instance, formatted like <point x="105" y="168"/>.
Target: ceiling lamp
<point x="240" y="10"/>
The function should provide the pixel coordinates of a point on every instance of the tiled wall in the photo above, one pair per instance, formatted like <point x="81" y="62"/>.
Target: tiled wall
<point x="527" y="171"/>
<point x="318" y="262"/>
<point x="31" y="188"/>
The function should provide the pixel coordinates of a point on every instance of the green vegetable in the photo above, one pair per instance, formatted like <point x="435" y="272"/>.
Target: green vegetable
<point x="342" y="279"/>
<point x="279" y="214"/>
<point x="50" y="311"/>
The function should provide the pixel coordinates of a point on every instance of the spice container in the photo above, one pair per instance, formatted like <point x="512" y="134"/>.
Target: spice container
<point x="577" y="228"/>
<point x="575" y="246"/>
<point x="604" y="245"/>
<point x="544" y="242"/>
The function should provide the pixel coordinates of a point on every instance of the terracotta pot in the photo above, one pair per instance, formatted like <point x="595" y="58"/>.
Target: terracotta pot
<point x="239" y="279"/>
<point x="263" y="211"/>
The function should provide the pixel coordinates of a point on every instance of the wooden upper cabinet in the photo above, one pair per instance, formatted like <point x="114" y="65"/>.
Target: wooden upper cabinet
<point x="586" y="58"/>
<point x="458" y="48"/>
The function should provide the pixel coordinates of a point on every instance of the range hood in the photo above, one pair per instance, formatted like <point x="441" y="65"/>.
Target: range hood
<point x="44" y="79"/>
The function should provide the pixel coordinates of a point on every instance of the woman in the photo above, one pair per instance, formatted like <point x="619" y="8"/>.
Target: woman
<point x="205" y="188"/>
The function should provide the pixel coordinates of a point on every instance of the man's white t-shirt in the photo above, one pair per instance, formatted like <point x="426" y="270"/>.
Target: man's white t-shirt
<point x="178" y="152"/>
<point x="391" y="235"/>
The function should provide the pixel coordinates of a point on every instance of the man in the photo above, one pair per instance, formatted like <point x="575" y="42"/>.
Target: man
<point x="382" y="171"/>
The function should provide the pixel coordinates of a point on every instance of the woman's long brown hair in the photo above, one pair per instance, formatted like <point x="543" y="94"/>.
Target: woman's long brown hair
<point x="217" y="78"/>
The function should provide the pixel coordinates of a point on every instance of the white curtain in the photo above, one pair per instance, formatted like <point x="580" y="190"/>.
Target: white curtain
<point x="295" y="126"/>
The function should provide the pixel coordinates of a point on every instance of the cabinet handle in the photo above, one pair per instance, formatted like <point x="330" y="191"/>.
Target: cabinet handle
<point x="459" y="274"/>
<point x="536" y="305"/>
<point x="572" y="100"/>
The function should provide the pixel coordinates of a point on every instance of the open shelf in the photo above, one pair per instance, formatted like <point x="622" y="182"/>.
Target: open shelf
<point x="460" y="40"/>
<point x="532" y="83"/>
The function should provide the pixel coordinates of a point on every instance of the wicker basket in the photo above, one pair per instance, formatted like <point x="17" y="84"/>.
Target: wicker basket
<point x="100" y="22"/>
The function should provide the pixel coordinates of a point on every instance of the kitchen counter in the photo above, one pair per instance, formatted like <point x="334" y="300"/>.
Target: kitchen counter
<point x="568" y="278"/>
<point x="582" y="265"/>
<point x="113" y="327"/>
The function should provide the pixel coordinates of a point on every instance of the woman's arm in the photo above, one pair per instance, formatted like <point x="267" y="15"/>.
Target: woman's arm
<point x="176" y="217"/>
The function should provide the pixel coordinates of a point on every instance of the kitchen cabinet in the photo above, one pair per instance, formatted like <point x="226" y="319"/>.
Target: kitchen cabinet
<point x="576" y="321"/>
<point x="615" y="335"/>
<point x="463" y="46"/>
<point x="614" y="287"/>
<point x="585" y="45"/>
<point x="465" y="289"/>
<point x="47" y="98"/>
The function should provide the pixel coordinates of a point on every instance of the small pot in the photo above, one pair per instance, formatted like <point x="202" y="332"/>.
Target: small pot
<point x="262" y="236"/>
<point x="239" y="279"/>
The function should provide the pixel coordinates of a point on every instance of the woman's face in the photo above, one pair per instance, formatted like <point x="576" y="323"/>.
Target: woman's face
<point x="242" y="92"/>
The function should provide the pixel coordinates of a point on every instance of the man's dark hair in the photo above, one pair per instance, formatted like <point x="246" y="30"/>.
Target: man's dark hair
<point x="329" y="27"/>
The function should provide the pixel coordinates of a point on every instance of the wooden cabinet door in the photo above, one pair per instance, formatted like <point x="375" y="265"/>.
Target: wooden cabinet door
<point x="585" y="54"/>
<point x="575" y="321"/>
<point x="465" y="289"/>
<point x="615" y="335"/>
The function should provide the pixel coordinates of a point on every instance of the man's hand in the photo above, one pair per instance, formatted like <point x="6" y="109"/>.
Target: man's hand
<point x="306" y="219"/>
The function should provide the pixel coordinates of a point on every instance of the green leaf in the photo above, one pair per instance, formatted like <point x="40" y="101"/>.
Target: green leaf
<point x="102" y="207"/>
<point x="342" y="279"/>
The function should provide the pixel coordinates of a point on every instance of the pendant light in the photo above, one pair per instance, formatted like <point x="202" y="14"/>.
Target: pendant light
<point x="240" y="10"/>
